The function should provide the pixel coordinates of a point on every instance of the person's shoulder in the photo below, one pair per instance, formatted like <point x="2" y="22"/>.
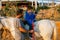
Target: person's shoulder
<point x="17" y="19"/>
<point x="12" y="18"/>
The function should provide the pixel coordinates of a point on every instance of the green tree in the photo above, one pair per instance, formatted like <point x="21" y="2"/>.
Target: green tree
<point x="25" y="0"/>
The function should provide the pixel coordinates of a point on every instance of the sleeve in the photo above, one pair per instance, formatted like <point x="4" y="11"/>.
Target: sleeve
<point x="18" y="24"/>
<point x="33" y="18"/>
<point x="20" y="27"/>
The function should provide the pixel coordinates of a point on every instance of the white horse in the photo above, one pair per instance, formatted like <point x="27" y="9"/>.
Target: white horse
<point x="11" y="24"/>
<point x="45" y="28"/>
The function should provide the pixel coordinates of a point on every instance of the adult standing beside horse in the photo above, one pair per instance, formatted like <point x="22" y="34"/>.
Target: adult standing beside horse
<point x="13" y="25"/>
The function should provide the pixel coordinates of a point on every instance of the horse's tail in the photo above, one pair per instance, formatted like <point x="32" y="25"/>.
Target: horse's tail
<point x="55" y="33"/>
<point x="54" y="36"/>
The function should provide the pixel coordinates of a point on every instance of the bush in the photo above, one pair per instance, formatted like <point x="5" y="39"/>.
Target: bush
<point x="58" y="10"/>
<point x="43" y="7"/>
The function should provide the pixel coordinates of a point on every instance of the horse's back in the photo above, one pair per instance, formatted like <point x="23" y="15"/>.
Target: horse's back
<point x="45" y="28"/>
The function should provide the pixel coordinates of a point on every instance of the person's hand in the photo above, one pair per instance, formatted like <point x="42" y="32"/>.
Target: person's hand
<point x="31" y="31"/>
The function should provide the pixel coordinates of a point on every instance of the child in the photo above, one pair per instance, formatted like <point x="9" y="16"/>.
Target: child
<point x="30" y="18"/>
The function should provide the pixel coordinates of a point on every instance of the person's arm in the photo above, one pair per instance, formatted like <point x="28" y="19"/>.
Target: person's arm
<point x="22" y="29"/>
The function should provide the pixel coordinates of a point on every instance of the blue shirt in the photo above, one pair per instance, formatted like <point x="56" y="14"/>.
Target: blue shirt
<point x="29" y="17"/>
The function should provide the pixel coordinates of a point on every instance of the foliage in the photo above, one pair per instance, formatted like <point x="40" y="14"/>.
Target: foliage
<point x="10" y="10"/>
<point x="58" y="10"/>
<point x="25" y="0"/>
<point x="43" y="7"/>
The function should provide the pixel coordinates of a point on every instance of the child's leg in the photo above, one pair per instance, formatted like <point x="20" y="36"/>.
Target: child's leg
<point x="30" y="28"/>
